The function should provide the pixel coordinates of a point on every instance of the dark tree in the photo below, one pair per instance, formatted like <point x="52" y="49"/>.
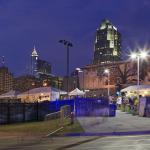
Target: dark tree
<point x="126" y="72"/>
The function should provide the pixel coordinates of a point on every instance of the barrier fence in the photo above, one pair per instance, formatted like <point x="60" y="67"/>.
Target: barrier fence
<point x="11" y="112"/>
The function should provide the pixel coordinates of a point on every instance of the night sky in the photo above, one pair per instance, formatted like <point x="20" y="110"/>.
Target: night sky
<point x="25" y="23"/>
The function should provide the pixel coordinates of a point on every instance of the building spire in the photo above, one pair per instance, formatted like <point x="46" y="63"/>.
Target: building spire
<point x="34" y="52"/>
<point x="34" y="59"/>
<point x="34" y="47"/>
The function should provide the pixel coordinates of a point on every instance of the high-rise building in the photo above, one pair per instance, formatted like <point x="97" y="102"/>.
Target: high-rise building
<point x="50" y="80"/>
<point x="39" y="65"/>
<point x="34" y="58"/>
<point x="107" y="44"/>
<point x="43" y="66"/>
<point x="6" y="80"/>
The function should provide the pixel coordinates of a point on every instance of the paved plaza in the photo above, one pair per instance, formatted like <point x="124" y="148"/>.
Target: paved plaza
<point x="117" y="143"/>
<point x="123" y="122"/>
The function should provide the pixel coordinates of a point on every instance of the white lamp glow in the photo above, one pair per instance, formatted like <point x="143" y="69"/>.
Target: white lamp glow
<point x="138" y="55"/>
<point x="133" y="56"/>
<point x="143" y="54"/>
<point x="106" y="71"/>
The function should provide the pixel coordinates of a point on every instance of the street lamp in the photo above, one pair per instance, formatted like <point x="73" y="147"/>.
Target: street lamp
<point x="138" y="56"/>
<point x="67" y="44"/>
<point x="106" y="71"/>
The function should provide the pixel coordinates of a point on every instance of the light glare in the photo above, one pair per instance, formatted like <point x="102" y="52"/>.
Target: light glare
<point x="133" y="56"/>
<point x="106" y="71"/>
<point x="78" y="69"/>
<point x="143" y="54"/>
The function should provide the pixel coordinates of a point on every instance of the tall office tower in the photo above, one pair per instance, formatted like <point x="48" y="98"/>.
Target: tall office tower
<point x="34" y="59"/>
<point x="107" y="46"/>
<point x="43" y="66"/>
<point x="6" y="80"/>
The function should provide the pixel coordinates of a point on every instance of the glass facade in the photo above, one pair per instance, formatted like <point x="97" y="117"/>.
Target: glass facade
<point x="107" y="44"/>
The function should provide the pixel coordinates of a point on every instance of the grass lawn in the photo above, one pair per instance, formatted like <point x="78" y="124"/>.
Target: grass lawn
<point x="39" y="128"/>
<point x="75" y="128"/>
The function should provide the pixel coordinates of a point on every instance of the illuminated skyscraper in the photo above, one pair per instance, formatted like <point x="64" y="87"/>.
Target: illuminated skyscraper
<point x="34" y="59"/>
<point x="107" y="44"/>
<point x="6" y="80"/>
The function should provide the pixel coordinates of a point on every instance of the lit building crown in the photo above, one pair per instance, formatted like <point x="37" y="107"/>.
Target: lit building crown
<point x="106" y="24"/>
<point x="34" y="52"/>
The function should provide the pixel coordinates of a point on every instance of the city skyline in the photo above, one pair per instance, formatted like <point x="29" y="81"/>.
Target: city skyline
<point x="28" y="23"/>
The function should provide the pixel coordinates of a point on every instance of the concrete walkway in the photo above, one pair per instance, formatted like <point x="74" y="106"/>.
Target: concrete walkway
<point x="54" y="143"/>
<point x="116" y="143"/>
<point x="137" y="142"/>
<point x="123" y="122"/>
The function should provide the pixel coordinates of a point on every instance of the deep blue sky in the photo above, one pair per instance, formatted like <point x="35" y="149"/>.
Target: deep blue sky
<point x="24" y="23"/>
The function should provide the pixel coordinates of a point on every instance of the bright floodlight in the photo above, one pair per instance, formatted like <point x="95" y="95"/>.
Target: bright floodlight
<point x="143" y="54"/>
<point x="133" y="55"/>
<point x="106" y="71"/>
<point x="78" y="69"/>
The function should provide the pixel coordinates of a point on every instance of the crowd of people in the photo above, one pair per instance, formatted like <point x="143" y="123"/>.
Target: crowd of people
<point x="130" y="103"/>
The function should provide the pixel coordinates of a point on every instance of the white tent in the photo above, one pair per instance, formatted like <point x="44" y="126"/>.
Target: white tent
<point x="10" y="94"/>
<point x="41" y="94"/>
<point x="136" y="88"/>
<point x="76" y="92"/>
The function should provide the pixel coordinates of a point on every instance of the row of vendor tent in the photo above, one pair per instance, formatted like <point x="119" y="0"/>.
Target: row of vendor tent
<point x="40" y="94"/>
<point x="143" y="90"/>
<point x="36" y="94"/>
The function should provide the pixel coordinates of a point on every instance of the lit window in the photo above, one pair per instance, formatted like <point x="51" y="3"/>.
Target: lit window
<point x="109" y="26"/>
<point x="115" y="53"/>
<point x="111" y="44"/>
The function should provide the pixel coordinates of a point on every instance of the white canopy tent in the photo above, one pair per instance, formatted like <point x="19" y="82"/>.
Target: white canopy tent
<point x="76" y="92"/>
<point x="41" y="94"/>
<point x="143" y="90"/>
<point x="136" y="88"/>
<point x="11" y="94"/>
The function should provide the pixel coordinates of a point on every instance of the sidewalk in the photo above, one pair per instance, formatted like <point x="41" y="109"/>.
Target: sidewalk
<point x="9" y="142"/>
<point x="123" y="122"/>
<point x="54" y="143"/>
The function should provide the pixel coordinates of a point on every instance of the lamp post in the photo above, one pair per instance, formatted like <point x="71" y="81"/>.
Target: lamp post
<point x="106" y="71"/>
<point x="138" y="56"/>
<point x="67" y="44"/>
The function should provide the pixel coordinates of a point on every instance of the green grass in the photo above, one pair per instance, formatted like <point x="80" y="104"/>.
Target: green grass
<point x="74" y="128"/>
<point x="31" y="128"/>
<point x="39" y="128"/>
